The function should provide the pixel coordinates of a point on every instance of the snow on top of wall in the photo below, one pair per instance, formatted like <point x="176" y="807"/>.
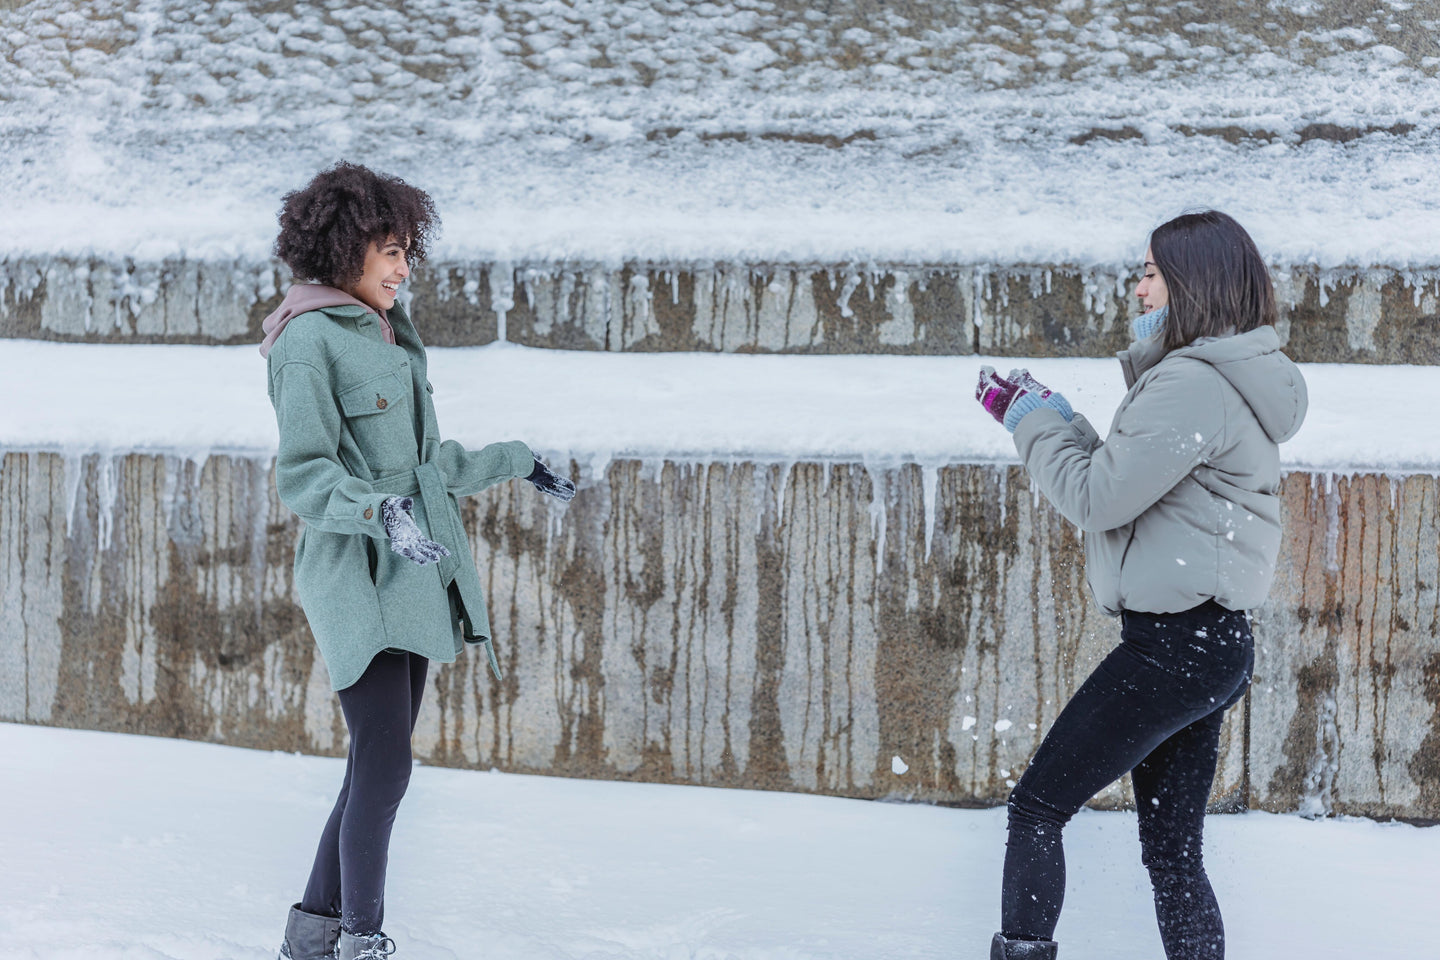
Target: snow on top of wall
<point x="882" y="410"/>
<point x="1055" y="131"/>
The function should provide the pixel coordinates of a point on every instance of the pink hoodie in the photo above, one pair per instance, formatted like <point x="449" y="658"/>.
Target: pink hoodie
<point x="304" y="297"/>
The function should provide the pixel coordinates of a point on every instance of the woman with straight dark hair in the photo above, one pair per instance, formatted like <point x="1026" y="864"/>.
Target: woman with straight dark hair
<point x="382" y="568"/>
<point x="1182" y="529"/>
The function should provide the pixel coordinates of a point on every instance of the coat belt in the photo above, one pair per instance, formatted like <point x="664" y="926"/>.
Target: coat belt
<point x="427" y="483"/>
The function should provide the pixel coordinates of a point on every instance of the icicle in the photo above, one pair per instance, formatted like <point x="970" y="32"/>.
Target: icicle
<point x="785" y="469"/>
<point x="877" y="515"/>
<point x="641" y="296"/>
<point x="74" y="472"/>
<point x="502" y="295"/>
<point x="1004" y="472"/>
<point x="528" y="277"/>
<point x="599" y="462"/>
<point x="1394" y="490"/>
<point x="1332" y="525"/>
<point x="852" y="283"/>
<point x="929" y="488"/>
<point x="107" y="492"/>
<point x="173" y="466"/>
<point x="264" y="283"/>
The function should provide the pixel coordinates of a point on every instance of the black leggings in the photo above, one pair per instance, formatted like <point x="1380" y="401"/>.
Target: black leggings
<point x="348" y="878"/>
<point x="1154" y="707"/>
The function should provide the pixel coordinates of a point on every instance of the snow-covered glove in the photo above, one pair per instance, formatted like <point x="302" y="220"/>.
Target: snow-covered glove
<point x="561" y="488"/>
<point x="405" y="536"/>
<point x="1009" y="398"/>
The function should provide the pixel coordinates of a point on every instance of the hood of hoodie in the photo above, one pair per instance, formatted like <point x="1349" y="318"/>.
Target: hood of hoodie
<point x="1269" y="381"/>
<point x="305" y="297"/>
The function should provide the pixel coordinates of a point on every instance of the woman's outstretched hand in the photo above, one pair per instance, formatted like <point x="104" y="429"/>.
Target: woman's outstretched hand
<point x="405" y="536"/>
<point x="1009" y="398"/>
<point x="561" y="488"/>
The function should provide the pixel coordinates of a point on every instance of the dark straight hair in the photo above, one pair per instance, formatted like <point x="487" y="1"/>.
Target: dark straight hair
<point x="1215" y="277"/>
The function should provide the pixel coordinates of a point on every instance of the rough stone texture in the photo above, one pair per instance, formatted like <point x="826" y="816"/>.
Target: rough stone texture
<point x="1346" y="702"/>
<point x="781" y="627"/>
<point x="1365" y="316"/>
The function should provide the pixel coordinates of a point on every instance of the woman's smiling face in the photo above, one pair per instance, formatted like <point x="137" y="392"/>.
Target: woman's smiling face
<point x="1151" y="289"/>
<point x="386" y="267"/>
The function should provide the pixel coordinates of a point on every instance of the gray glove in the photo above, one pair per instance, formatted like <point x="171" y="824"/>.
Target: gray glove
<point x="405" y="536"/>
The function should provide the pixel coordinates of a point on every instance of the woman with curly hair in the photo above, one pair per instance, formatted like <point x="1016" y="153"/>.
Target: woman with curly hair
<point x="1182" y="530"/>
<point x="362" y="463"/>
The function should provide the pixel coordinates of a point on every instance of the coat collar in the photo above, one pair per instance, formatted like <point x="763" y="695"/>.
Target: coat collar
<point x="1139" y="357"/>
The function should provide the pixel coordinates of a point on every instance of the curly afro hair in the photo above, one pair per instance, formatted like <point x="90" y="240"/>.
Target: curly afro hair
<point x="327" y="227"/>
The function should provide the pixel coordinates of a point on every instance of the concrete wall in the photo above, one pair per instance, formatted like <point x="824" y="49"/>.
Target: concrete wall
<point x="782" y="627"/>
<point x="1351" y="316"/>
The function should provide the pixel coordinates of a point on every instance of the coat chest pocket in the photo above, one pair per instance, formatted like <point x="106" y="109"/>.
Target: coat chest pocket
<point x="374" y="413"/>
<point x="369" y="397"/>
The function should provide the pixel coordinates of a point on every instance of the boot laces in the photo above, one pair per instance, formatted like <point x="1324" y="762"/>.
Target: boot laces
<point x="377" y="948"/>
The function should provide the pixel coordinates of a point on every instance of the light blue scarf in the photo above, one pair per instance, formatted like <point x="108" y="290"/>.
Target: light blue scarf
<point x="1149" y="324"/>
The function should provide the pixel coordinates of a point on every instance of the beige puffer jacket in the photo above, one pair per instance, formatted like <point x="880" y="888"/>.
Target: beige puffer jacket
<point x="1179" y="503"/>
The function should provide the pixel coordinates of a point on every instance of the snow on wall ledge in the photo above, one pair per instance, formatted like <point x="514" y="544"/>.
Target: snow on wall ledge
<point x="1371" y="315"/>
<point x="783" y="627"/>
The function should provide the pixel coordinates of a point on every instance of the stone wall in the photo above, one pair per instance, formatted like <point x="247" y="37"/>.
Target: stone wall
<point x="1343" y="316"/>
<point x="772" y="626"/>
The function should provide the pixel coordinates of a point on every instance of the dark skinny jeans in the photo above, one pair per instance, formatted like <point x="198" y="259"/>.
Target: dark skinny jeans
<point x="348" y="878"/>
<point x="1153" y="707"/>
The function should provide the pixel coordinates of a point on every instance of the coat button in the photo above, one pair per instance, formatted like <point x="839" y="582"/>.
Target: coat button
<point x="380" y="402"/>
<point x="369" y="512"/>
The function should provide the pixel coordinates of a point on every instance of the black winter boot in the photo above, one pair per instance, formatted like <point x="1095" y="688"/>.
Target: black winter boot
<point x="1003" y="949"/>
<point x="377" y="946"/>
<point x="309" y="936"/>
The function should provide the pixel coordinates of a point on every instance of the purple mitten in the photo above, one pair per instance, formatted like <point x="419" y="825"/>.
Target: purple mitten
<point x="405" y="536"/>
<point x="996" y="393"/>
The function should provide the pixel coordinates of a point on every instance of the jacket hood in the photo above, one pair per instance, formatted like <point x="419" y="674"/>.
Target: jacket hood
<point x="1270" y="382"/>
<point x="305" y="297"/>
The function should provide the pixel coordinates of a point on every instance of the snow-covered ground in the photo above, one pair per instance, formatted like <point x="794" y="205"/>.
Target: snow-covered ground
<point x="1051" y="131"/>
<point x="120" y="847"/>
<point x="595" y="406"/>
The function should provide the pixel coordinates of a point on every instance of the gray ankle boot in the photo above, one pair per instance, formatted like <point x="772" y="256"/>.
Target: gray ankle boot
<point x="377" y="946"/>
<point x="1003" y="949"/>
<point x="309" y="936"/>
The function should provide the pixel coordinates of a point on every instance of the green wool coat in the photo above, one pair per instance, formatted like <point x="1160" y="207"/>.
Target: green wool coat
<point x="357" y="425"/>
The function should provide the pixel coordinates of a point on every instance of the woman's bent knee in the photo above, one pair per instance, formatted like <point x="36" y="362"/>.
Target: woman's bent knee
<point x="1026" y="809"/>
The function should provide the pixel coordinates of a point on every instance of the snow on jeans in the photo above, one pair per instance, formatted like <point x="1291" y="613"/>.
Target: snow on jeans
<point x="1154" y="707"/>
<point x="348" y="878"/>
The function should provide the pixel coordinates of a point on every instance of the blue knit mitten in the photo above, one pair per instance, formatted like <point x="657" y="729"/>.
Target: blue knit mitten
<point x="1032" y="396"/>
